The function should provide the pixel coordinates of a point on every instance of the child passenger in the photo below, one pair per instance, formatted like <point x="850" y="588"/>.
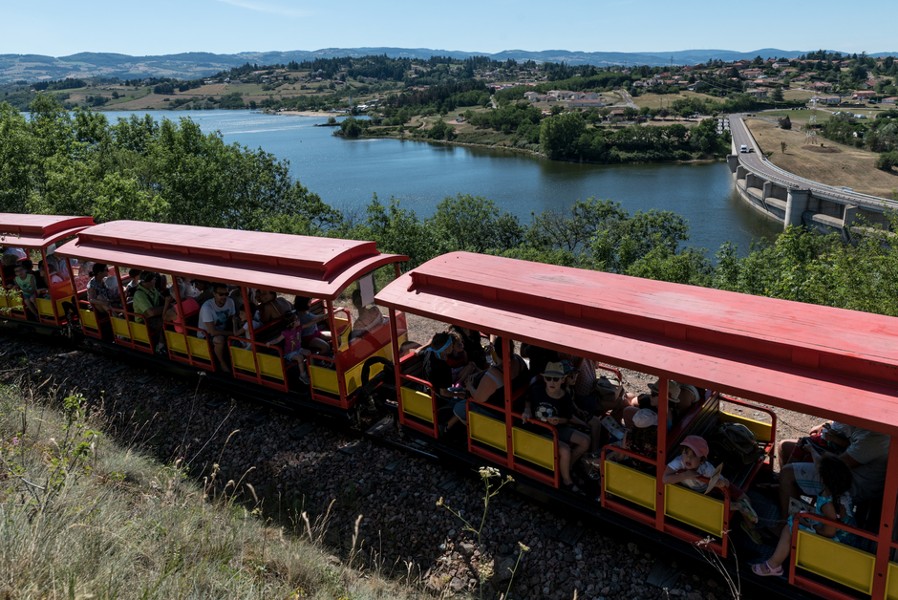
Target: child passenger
<point x="292" y="337"/>
<point x="832" y="503"/>
<point x="691" y="468"/>
<point x="312" y="337"/>
<point x="27" y="284"/>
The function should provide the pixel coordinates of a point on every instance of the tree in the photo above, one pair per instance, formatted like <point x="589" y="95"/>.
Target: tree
<point x="887" y="161"/>
<point x="783" y="146"/>
<point x="777" y="94"/>
<point x="558" y="135"/>
<point x="785" y="123"/>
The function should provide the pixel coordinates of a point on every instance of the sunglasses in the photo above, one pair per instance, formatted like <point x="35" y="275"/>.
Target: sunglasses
<point x="552" y="379"/>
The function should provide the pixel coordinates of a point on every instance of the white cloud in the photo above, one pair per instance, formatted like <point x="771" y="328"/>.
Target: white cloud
<point x="266" y="7"/>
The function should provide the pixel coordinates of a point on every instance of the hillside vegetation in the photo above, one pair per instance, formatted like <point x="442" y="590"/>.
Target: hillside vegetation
<point x="83" y="517"/>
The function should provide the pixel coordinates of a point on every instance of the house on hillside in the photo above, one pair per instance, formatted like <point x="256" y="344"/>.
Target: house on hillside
<point x="863" y="95"/>
<point x="828" y="100"/>
<point x="890" y="100"/>
<point x="757" y="92"/>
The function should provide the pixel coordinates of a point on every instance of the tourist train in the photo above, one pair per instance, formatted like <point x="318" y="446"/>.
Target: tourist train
<point x="328" y="325"/>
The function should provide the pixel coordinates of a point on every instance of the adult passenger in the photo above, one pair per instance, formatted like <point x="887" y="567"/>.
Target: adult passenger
<point x="149" y="305"/>
<point x="367" y="316"/>
<point x="98" y="293"/>
<point x="865" y="452"/>
<point x="650" y="401"/>
<point x="271" y="306"/>
<point x="217" y="321"/>
<point x="487" y="387"/>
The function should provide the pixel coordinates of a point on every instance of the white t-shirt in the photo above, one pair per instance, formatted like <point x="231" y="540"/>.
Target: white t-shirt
<point x="705" y="469"/>
<point x="211" y="312"/>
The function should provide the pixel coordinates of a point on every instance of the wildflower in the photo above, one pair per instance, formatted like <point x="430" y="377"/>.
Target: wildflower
<point x="489" y="472"/>
<point x="523" y="547"/>
<point x="440" y="502"/>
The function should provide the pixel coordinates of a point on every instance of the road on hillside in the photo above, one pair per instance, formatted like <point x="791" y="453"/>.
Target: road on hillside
<point x="754" y="161"/>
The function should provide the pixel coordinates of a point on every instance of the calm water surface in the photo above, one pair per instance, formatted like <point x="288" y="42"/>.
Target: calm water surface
<point x="346" y="173"/>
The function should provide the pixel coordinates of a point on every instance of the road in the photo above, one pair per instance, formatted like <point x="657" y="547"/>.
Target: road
<point x="755" y="162"/>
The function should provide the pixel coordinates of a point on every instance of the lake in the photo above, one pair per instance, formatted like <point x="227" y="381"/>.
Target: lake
<point x="346" y="173"/>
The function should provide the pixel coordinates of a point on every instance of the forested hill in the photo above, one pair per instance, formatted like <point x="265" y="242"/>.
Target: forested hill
<point x="191" y="65"/>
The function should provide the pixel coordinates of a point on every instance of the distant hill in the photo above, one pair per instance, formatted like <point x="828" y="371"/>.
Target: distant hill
<point x="191" y="65"/>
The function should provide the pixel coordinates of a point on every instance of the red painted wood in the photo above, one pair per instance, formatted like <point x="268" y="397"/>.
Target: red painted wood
<point x="37" y="231"/>
<point x="312" y="266"/>
<point x="834" y="363"/>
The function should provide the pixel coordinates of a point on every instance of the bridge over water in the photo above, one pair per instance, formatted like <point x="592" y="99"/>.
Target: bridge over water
<point x="794" y="200"/>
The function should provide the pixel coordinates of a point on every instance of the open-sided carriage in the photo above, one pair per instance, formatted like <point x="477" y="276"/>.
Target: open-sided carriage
<point x="35" y="238"/>
<point x="746" y="352"/>
<point x="324" y="269"/>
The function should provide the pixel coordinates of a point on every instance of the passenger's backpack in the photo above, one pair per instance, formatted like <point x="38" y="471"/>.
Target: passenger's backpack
<point x="735" y="444"/>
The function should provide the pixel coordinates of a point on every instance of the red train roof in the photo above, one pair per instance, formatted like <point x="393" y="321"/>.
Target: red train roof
<point x="316" y="266"/>
<point x="37" y="231"/>
<point x="813" y="359"/>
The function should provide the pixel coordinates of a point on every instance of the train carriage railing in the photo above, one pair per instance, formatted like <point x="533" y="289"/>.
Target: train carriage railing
<point x="260" y="363"/>
<point x="837" y="569"/>
<point x="186" y="346"/>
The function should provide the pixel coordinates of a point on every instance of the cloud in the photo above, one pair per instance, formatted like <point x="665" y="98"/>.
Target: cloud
<point x="266" y="7"/>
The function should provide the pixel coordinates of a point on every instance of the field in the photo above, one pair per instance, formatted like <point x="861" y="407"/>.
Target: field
<point x="833" y="164"/>
<point x="658" y="101"/>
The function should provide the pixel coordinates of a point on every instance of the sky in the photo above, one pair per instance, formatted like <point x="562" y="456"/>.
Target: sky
<point x="63" y="27"/>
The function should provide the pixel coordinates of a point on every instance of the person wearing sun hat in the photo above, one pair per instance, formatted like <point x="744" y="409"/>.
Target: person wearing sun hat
<point x="692" y="469"/>
<point x="551" y="402"/>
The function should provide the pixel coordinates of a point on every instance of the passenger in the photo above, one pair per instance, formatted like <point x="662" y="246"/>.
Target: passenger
<point x="312" y="336"/>
<point x="38" y="273"/>
<point x="204" y="291"/>
<point x="692" y="469"/>
<point x="864" y="452"/>
<point x="217" y="321"/>
<point x="833" y="502"/>
<point x="111" y="282"/>
<point x="149" y="305"/>
<point x="472" y="345"/>
<point x="650" y="401"/>
<point x="49" y="268"/>
<point x="243" y="328"/>
<point x="550" y="403"/>
<point x="436" y="370"/>
<point x="98" y="293"/>
<point x="367" y="316"/>
<point x="457" y="359"/>
<point x="26" y="282"/>
<point x="271" y="306"/>
<point x="488" y="386"/>
<point x="597" y="396"/>
<point x="133" y="282"/>
<point x="293" y="348"/>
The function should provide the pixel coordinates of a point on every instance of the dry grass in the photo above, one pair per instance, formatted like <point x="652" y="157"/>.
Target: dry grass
<point x="849" y="166"/>
<point x="83" y="518"/>
<point x="657" y="101"/>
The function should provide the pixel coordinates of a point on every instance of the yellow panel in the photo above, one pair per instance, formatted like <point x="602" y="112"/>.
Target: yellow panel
<point x="693" y="508"/>
<point x="88" y="319"/>
<point x="342" y="325"/>
<point x="892" y="582"/>
<point x="176" y="342"/>
<point x="487" y="430"/>
<point x="271" y="366"/>
<point x="418" y="404"/>
<point x="120" y="327"/>
<point x="839" y="562"/>
<point x="532" y="447"/>
<point x="140" y="333"/>
<point x="3" y="302"/>
<point x="630" y="484"/>
<point x="242" y="359"/>
<point x="45" y="307"/>
<point x="324" y="379"/>
<point x="199" y="347"/>
<point x="761" y="430"/>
